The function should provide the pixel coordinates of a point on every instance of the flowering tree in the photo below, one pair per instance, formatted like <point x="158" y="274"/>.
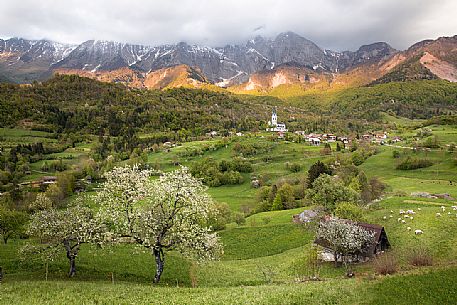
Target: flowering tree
<point x="67" y="229"/>
<point x="343" y="237"/>
<point x="162" y="214"/>
<point x="42" y="202"/>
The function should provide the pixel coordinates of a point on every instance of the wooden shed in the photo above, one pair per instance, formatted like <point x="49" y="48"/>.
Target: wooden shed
<point x="380" y="243"/>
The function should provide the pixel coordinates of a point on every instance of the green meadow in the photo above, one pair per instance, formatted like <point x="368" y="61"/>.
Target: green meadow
<point x="265" y="258"/>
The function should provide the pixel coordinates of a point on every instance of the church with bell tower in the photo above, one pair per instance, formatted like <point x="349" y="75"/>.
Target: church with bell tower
<point x="274" y="125"/>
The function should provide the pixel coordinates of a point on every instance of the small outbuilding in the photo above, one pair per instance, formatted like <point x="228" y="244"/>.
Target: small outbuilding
<point x="380" y="244"/>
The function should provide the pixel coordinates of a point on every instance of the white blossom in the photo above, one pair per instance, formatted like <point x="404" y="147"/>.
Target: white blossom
<point x="344" y="237"/>
<point x="165" y="213"/>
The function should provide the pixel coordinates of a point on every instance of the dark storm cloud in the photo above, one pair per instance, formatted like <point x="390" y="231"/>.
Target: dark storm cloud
<point x="335" y="24"/>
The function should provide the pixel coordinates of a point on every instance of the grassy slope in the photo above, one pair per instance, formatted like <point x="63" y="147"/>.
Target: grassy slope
<point x="433" y="179"/>
<point x="262" y="250"/>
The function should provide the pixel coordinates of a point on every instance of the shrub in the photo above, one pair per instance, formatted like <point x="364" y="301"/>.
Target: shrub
<point x="266" y="219"/>
<point x="299" y="191"/>
<point x="231" y="177"/>
<point x="286" y="193"/>
<point x="349" y="210"/>
<point x="413" y="163"/>
<point x="240" y="219"/>
<point x="431" y="142"/>
<point x="357" y="158"/>
<point x="251" y="149"/>
<point x="242" y="165"/>
<point x="424" y="132"/>
<point x="385" y="264"/>
<point x="220" y="216"/>
<point x="451" y="147"/>
<point x="377" y="188"/>
<point x="215" y="173"/>
<point x="396" y="154"/>
<point x="277" y="203"/>
<point x="293" y="167"/>
<point x="420" y="256"/>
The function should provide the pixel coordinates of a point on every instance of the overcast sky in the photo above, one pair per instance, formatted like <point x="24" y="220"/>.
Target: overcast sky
<point x="334" y="24"/>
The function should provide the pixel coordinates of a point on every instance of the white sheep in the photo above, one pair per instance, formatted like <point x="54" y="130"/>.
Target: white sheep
<point x="403" y="221"/>
<point x="406" y="216"/>
<point x="391" y="211"/>
<point x="385" y="217"/>
<point x="438" y="214"/>
<point x="399" y="219"/>
<point x="443" y="208"/>
<point x="419" y="209"/>
<point x="418" y="232"/>
<point x="391" y="216"/>
<point x="408" y="228"/>
<point x="410" y="212"/>
<point x="449" y="213"/>
<point x="411" y="218"/>
<point x="402" y="212"/>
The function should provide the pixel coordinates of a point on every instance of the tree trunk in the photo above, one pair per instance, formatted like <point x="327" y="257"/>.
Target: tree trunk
<point x="72" y="252"/>
<point x="71" y="258"/>
<point x="335" y="256"/>
<point x="160" y="260"/>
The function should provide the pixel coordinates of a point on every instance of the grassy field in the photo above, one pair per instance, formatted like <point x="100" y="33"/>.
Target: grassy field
<point x="261" y="265"/>
<point x="431" y="287"/>
<point x="441" y="177"/>
<point x="265" y="260"/>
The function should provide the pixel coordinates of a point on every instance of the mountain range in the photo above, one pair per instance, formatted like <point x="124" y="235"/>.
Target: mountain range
<point x="260" y="65"/>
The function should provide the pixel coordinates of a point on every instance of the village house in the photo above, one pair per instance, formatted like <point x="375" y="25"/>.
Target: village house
<point x="380" y="137"/>
<point x="314" y="141"/>
<point x="281" y="135"/>
<point x="367" y="137"/>
<point x="44" y="181"/>
<point x="330" y="138"/>
<point x="211" y="134"/>
<point x="345" y="141"/>
<point x="396" y="140"/>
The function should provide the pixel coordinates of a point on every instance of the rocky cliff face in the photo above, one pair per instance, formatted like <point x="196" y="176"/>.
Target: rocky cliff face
<point x="25" y="60"/>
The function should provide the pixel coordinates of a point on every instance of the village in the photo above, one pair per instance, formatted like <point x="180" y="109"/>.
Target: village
<point x="317" y="139"/>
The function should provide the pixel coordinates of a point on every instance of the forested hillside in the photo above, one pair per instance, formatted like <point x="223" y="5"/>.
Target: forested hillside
<point x="414" y="99"/>
<point x="72" y="103"/>
<point x="69" y="104"/>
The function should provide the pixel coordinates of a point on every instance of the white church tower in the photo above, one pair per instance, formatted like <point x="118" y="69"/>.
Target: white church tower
<point x="274" y="118"/>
